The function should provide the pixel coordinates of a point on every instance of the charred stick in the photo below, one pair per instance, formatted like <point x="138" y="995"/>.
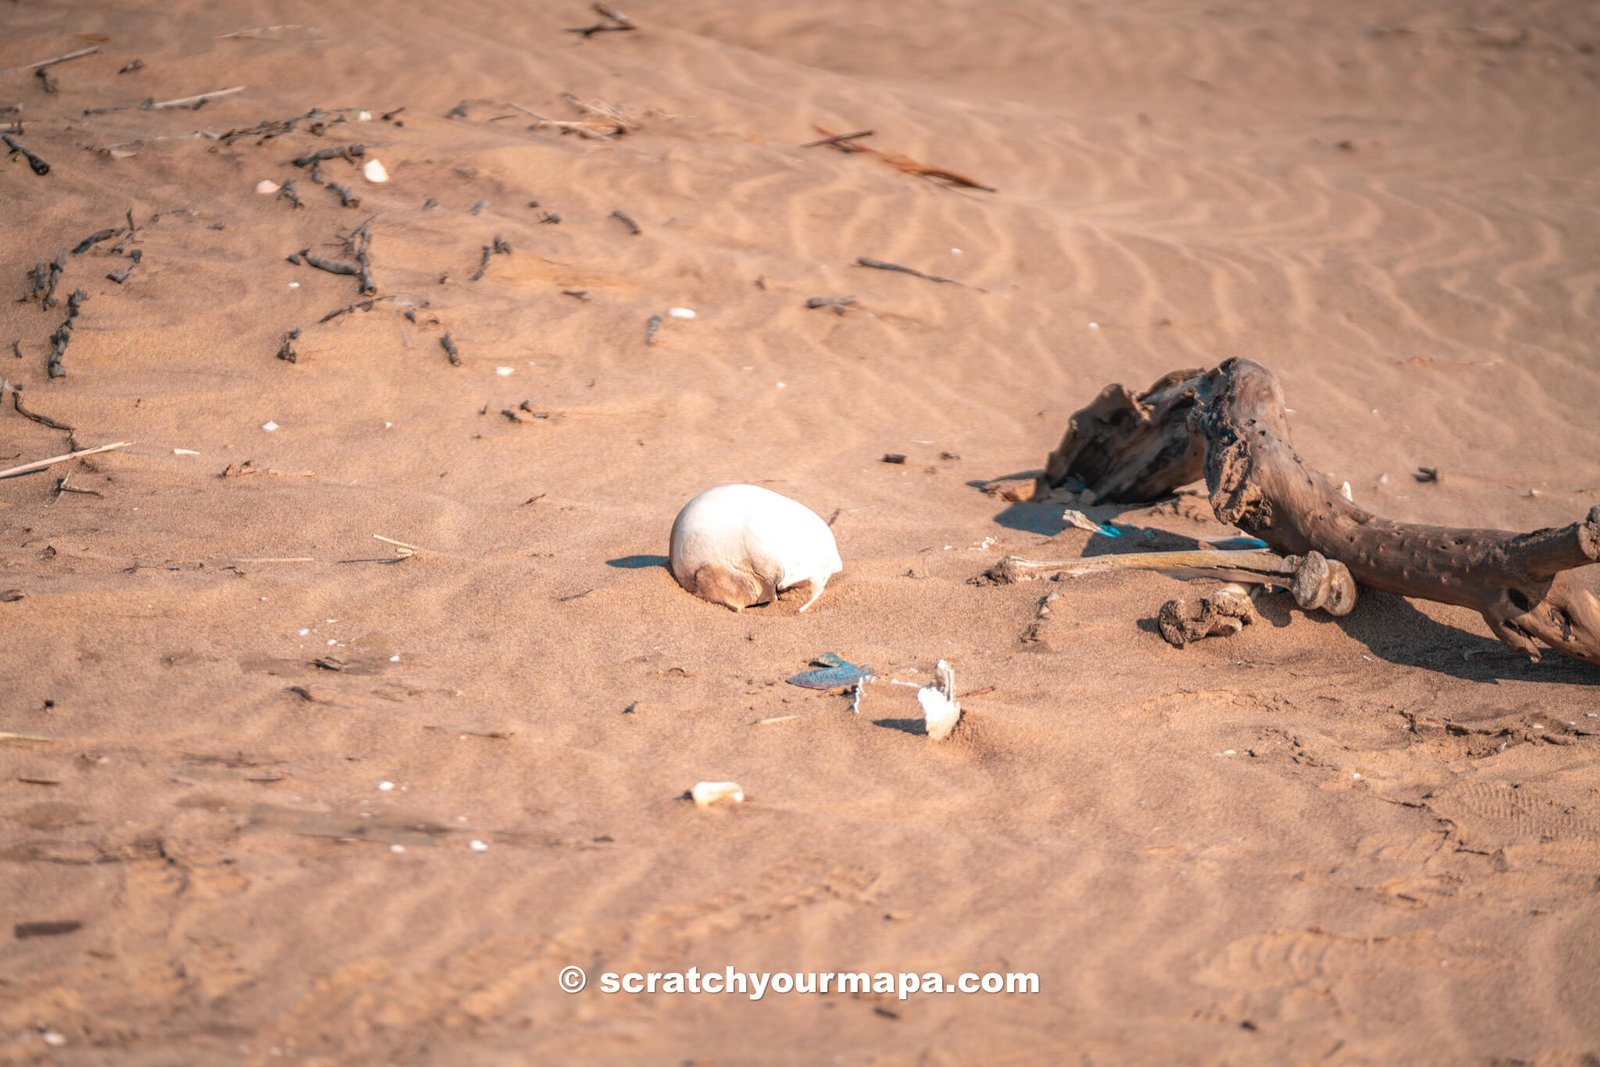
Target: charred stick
<point x="194" y="103"/>
<point x="342" y="151"/>
<point x="878" y="264"/>
<point x="359" y="305"/>
<point x="40" y="167"/>
<point x="650" y="329"/>
<point x="499" y="247"/>
<point x="42" y="420"/>
<point x="129" y="68"/>
<point x="839" y="304"/>
<point x="286" y="352"/>
<point x="449" y="347"/>
<point x="627" y="220"/>
<point x="841" y="141"/>
<point x="94" y="239"/>
<point x="346" y="197"/>
<point x="286" y="192"/>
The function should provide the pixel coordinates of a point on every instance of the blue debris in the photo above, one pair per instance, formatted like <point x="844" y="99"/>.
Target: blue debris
<point x="1240" y="542"/>
<point x="835" y="673"/>
<point x="1108" y="530"/>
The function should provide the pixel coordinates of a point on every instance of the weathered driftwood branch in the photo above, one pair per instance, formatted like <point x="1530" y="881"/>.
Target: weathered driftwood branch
<point x="1228" y="425"/>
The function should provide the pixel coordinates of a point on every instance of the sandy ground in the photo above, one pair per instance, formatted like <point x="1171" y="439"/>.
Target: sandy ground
<point x="1373" y="840"/>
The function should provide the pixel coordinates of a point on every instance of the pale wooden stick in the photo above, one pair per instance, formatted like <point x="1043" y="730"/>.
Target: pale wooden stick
<point x="404" y="549"/>
<point x="277" y="559"/>
<point x="41" y="464"/>
<point x="185" y="101"/>
<point x="1251" y="564"/>
<point x="53" y="60"/>
<point x="7" y="735"/>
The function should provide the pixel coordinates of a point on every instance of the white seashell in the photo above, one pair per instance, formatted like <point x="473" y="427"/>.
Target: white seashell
<point x="739" y="545"/>
<point x="266" y="187"/>
<point x="708" y="793"/>
<point x="681" y="313"/>
<point x="940" y="712"/>
<point x="374" y="172"/>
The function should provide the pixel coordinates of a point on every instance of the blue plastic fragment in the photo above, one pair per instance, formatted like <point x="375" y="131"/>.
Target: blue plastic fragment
<point x="1108" y="530"/>
<point x="1240" y="542"/>
<point x="836" y="673"/>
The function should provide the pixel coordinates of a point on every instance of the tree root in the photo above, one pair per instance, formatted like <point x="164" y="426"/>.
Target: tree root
<point x="1229" y="426"/>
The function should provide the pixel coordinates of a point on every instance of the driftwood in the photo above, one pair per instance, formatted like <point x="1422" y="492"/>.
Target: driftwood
<point x="1228" y="425"/>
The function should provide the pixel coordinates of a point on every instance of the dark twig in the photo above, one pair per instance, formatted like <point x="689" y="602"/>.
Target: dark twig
<point x="650" y="329"/>
<point x="878" y="264"/>
<point x="841" y="141"/>
<point x="40" y="167"/>
<point x="94" y="239"/>
<point x="53" y="60"/>
<point x="839" y="304"/>
<point x="611" y="21"/>
<point x="287" y="352"/>
<point x="449" y="347"/>
<point x="42" y="420"/>
<point x="193" y="103"/>
<point x="44" y="277"/>
<point x="346" y="197"/>
<point x="332" y="266"/>
<point x="627" y="220"/>
<point x="129" y="68"/>
<point x="63" y="335"/>
<point x="47" y="81"/>
<point x="342" y="151"/>
<point x="286" y="192"/>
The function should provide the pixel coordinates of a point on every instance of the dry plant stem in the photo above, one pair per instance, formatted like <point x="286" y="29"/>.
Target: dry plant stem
<point x="41" y="464"/>
<point x="1229" y="425"/>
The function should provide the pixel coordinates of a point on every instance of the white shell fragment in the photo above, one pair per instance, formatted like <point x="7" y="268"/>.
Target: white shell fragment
<point x="373" y="171"/>
<point x="266" y="187"/>
<point x="681" y="313"/>
<point x="940" y="712"/>
<point x="708" y="793"/>
<point x="739" y="545"/>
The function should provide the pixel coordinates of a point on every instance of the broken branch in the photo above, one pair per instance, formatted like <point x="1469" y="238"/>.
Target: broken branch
<point x="1229" y="425"/>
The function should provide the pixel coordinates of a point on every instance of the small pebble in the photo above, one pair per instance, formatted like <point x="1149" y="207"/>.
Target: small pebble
<point x="478" y="846"/>
<point x="681" y="313"/>
<point x="397" y="849"/>
<point x="374" y="171"/>
<point x="385" y="786"/>
<point x="269" y="426"/>
<point x="505" y="371"/>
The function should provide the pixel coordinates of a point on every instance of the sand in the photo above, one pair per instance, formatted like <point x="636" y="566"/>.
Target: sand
<point x="1370" y="840"/>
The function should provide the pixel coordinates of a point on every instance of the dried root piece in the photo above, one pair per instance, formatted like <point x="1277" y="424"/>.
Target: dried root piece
<point x="1222" y="614"/>
<point x="1229" y="425"/>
